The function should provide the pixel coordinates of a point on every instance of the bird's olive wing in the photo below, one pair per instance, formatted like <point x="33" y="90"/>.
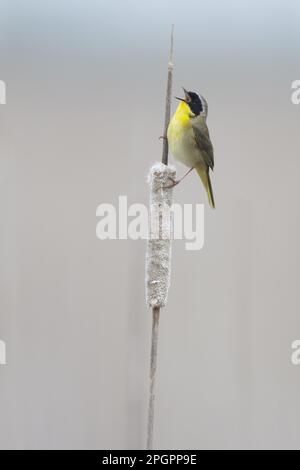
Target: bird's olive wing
<point x="204" y="144"/>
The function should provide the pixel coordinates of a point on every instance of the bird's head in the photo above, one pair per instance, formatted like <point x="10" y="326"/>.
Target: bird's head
<point x="196" y="103"/>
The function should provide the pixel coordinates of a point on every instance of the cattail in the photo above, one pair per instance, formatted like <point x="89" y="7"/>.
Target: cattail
<point x="158" y="255"/>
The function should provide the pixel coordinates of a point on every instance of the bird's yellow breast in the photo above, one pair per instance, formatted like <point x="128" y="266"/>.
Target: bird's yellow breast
<point x="180" y="122"/>
<point x="181" y="137"/>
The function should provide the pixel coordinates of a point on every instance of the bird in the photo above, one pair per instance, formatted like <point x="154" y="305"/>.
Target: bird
<point x="189" y="139"/>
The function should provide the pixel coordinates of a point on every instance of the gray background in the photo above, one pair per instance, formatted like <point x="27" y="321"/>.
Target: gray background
<point x="85" y="103"/>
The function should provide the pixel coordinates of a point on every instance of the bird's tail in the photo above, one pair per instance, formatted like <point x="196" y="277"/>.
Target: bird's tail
<point x="205" y="178"/>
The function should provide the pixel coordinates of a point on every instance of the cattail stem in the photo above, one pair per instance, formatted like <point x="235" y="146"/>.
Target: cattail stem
<point x="168" y="102"/>
<point x="153" y="362"/>
<point x="159" y="255"/>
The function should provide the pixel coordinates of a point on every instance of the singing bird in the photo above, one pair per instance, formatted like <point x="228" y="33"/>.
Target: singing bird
<point x="189" y="140"/>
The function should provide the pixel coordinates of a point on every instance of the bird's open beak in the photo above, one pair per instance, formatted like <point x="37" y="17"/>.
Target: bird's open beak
<point x="186" y="98"/>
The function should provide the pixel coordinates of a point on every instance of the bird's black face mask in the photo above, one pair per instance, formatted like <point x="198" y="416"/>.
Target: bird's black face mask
<point x="194" y="102"/>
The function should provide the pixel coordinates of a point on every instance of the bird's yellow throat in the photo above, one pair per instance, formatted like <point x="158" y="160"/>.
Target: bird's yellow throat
<point x="183" y="113"/>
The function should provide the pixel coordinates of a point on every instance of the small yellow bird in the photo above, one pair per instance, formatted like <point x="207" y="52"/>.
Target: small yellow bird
<point x="189" y="139"/>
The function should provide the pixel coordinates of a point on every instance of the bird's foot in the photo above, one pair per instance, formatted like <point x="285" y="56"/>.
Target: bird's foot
<point x="173" y="183"/>
<point x="163" y="137"/>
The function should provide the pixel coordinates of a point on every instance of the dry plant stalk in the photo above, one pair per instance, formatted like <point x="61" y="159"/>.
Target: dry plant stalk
<point x="158" y="256"/>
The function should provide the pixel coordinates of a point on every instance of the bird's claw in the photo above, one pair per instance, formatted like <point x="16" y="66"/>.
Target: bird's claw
<point x="174" y="183"/>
